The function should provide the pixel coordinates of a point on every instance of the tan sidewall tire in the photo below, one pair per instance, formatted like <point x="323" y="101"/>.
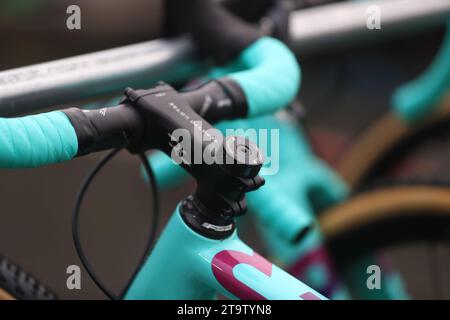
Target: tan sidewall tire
<point x="382" y="205"/>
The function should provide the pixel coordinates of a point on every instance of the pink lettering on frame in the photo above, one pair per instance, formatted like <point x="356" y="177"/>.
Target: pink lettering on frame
<point x="222" y="267"/>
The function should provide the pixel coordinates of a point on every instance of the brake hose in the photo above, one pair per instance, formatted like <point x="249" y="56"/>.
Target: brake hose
<point x="76" y="222"/>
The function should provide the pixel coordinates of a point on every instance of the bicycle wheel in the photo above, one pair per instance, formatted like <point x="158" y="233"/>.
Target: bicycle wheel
<point x="391" y="218"/>
<point x="17" y="284"/>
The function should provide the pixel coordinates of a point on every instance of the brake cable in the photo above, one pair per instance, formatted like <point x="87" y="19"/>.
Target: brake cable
<point x="76" y="222"/>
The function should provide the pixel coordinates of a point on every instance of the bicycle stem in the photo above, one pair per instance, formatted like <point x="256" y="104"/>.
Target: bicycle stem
<point x="150" y="119"/>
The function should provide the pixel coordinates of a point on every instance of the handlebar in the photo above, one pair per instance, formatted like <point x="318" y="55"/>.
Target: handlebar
<point x="268" y="80"/>
<point x="272" y="78"/>
<point x="37" y="140"/>
<point x="419" y="97"/>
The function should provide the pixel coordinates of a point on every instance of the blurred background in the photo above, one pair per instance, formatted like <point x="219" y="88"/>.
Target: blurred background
<point x="350" y="85"/>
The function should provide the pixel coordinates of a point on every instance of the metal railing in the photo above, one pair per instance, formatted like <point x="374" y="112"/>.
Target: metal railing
<point x="41" y="86"/>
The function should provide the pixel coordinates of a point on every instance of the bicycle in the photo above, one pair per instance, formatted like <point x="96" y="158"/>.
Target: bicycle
<point x="202" y="230"/>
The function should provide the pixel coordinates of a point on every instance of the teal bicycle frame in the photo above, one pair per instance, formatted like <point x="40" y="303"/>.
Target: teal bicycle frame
<point x="186" y="265"/>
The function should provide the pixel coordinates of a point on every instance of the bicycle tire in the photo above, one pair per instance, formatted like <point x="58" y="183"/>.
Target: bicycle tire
<point x="387" y="141"/>
<point x="18" y="284"/>
<point x="391" y="214"/>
